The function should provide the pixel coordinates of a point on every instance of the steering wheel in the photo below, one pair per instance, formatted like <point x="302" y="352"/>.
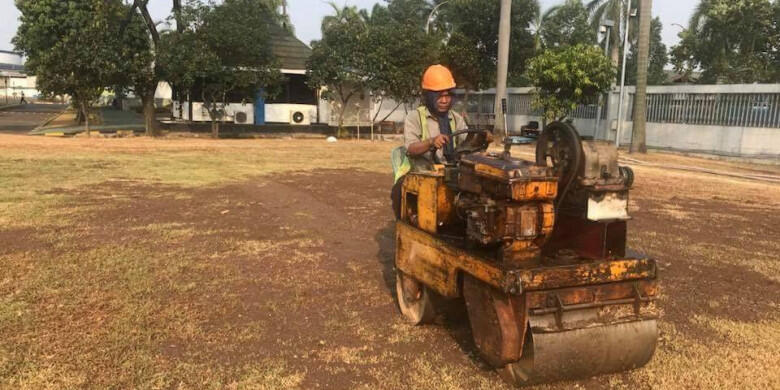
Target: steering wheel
<point x="470" y="145"/>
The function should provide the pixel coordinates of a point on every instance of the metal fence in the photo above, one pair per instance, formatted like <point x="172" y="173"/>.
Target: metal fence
<point x="522" y="104"/>
<point x="713" y="109"/>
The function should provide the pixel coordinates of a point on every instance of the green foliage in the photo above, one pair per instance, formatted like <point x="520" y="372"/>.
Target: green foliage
<point x="75" y="48"/>
<point x="471" y="50"/>
<point x="222" y="49"/>
<point x="567" y="77"/>
<point x="567" y="25"/>
<point x="614" y="10"/>
<point x="731" y="42"/>
<point x="398" y="49"/>
<point x="657" y="60"/>
<point x="338" y="60"/>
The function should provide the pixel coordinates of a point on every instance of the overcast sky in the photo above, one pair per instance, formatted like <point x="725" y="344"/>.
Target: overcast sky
<point x="306" y="16"/>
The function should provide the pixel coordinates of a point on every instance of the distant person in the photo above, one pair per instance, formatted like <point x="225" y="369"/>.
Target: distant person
<point x="22" y="100"/>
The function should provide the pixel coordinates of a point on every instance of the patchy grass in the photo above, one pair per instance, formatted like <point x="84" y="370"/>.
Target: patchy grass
<point x="266" y="264"/>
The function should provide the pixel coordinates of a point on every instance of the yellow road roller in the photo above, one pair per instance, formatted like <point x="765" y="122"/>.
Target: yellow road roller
<point x="537" y="250"/>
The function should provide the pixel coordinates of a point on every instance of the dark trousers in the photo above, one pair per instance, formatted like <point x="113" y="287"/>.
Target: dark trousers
<point x="395" y="196"/>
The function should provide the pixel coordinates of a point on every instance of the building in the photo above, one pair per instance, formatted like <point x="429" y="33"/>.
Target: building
<point x="13" y="80"/>
<point x="297" y="104"/>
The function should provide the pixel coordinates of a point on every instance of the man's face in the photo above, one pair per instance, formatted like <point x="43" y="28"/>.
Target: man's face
<point x="444" y="102"/>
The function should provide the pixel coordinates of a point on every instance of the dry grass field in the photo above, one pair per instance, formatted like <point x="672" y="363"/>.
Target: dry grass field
<point x="267" y="264"/>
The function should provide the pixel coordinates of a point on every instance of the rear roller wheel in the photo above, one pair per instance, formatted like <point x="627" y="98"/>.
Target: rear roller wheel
<point x="414" y="300"/>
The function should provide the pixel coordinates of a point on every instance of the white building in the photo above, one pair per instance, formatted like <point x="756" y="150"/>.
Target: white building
<point x="13" y="81"/>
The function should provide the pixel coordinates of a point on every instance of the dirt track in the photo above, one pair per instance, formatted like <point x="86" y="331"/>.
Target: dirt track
<point x="296" y="270"/>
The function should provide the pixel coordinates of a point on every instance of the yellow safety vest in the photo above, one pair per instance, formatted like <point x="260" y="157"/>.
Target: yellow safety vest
<point x="401" y="162"/>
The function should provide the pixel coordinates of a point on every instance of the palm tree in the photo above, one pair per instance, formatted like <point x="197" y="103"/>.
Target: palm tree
<point x="640" y="101"/>
<point x="341" y="15"/>
<point x="615" y="10"/>
<point x="538" y="25"/>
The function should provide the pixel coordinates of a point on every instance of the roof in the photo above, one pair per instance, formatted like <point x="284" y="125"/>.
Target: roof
<point x="289" y="50"/>
<point x="11" y="52"/>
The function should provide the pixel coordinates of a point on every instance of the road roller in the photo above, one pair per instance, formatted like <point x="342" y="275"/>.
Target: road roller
<point x="537" y="251"/>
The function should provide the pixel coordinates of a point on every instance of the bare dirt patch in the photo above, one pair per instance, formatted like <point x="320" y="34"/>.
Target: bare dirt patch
<point x="285" y="281"/>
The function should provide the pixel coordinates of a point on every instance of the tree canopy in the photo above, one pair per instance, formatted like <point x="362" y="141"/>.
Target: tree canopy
<point x="220" y="50"/>
<point x="338" y="60"/>
<point x="658" y="57"/>
<point x="567" y="77"/>
<point x="730" y="42"/>
<point x="567" y="24"/>
<point x="471" y="50"/>
<point x="75" y="48"/>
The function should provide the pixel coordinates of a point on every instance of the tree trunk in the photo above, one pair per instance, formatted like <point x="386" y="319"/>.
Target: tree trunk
<point x="640" y="98"/>
<point x="85" y="112"/>
<point x="504" y="32"/>
<point x="342" y="113"/>
<point x="214" y="128"/>
<point x="150" y="123"/>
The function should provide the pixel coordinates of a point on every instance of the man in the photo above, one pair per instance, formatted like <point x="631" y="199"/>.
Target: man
<point x="428" y="130"/>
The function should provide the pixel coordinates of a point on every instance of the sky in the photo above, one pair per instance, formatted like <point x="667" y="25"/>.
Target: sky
<point x="307" y="14"/>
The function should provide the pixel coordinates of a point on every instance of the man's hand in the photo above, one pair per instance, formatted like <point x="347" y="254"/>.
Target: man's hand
<point x="440" y="140"/>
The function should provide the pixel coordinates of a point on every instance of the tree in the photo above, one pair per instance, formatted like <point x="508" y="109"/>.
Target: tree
<point x="658" y="57"/>
<point x="222" y="51"/>
<point x="615" y="11"/>
<point x="139" y="48"/>
<point x="774" y="41"/>
<point x="567" y="24"/>
<point x="730" y="42"/>
<point x="471" y="50"/>
<point x="337" y="61"/>
<point x="567" y="77"/>
<point x="72" y="47"/>
<point x="640" y="98"/>
<point x="398" y="50"/>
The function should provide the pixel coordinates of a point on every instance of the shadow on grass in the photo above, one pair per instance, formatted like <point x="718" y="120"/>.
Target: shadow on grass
<point x="451" y="313"/>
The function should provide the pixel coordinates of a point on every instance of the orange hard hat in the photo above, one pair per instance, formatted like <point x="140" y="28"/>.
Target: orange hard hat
<point x="437" y="78"/>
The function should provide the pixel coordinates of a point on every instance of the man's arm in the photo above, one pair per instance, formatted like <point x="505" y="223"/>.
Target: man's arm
<point x="415" y="145"/>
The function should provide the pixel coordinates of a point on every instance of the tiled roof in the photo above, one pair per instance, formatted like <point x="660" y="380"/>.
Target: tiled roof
<point x="289" y="50"/>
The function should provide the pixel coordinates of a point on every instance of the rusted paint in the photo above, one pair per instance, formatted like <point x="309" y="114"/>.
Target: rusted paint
<point x="434" y="200"/>
<point x="589" y="239"/>
<point x="498" y="321"/>
<point x="534" y="190"/>
<point x="437" y="263"/>
<point x="584" y="274"/>
<point x="590" y="294"/>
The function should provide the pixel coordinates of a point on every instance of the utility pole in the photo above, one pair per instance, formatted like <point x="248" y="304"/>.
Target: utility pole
<point x="640" y="98"/>
<point x="503" y="66"/>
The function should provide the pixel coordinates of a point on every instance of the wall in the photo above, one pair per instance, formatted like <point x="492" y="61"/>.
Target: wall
<point x="731" y="120"/>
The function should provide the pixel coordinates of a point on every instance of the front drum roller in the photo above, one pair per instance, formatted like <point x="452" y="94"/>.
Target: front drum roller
<point x="528" y="349"/>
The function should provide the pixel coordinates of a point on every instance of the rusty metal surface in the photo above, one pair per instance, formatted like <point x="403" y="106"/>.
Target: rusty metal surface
<point x="586" y="352"/>
<point x="553" y="277"/>
<point x="437" y="263"/>
<point x="591" y="294"/>
<point x="589" y="239"/>
<point x="498" y="321"/>
<point x="426" y="202"/>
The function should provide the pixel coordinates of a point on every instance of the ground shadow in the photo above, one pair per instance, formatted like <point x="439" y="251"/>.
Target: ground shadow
<point x="451" y="313"/>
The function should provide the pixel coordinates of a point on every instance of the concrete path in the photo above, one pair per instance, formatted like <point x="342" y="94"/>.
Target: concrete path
<point x="19" y="119"/>
<point x="112" y="121"/>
